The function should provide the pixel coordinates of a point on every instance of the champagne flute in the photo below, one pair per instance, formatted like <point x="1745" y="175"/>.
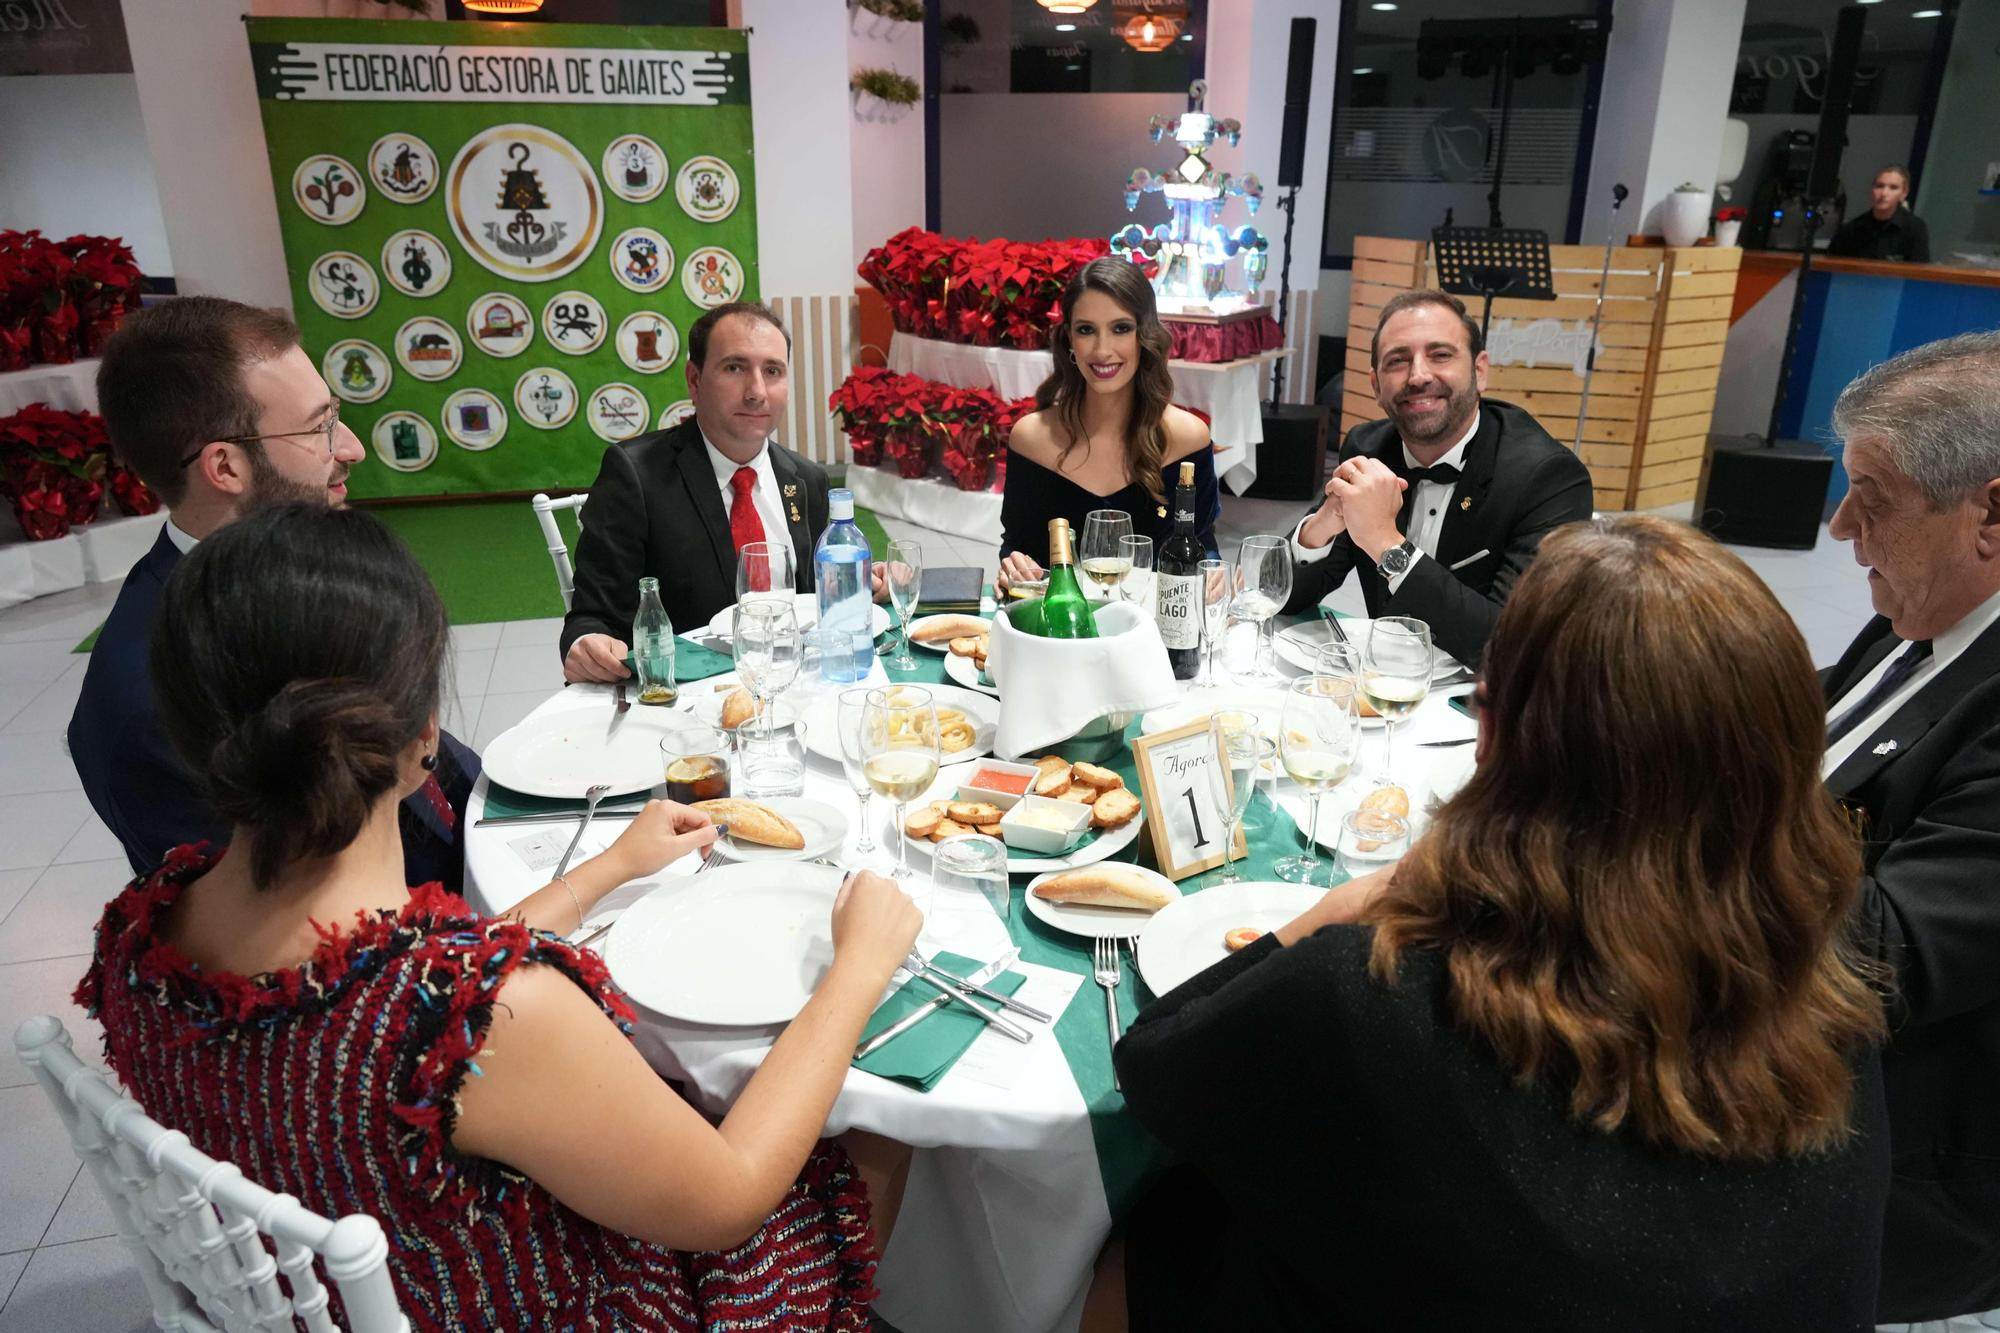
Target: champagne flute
<point x="850" y="716"/>
<point x="899" y="729"/>
<point x="1216" y="590"/>
<point x="1100" y="560"/>
<point x="766" y="646"/>
<point x="1317" y="743"/>
<point x="765" y="572"/>
<point x="1264" y="569"/>
<point x="1137" y="552"/>
<point x="1395" y="676"/>
<point x="1247" y="753"/>
<point x="905" y="575"/>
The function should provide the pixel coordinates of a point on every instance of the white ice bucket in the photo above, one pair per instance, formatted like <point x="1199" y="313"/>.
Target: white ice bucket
<point x="1059" y="690"/>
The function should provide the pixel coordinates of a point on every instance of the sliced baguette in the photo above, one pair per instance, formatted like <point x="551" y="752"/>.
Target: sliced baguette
<point x="1107" y="885"/>
<point x="751" y="822"/>
<point x="943" y="628"/>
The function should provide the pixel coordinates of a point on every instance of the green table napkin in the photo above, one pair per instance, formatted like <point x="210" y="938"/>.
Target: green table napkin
<point x="923" y="1055"/>
<point x="692" y="661"/>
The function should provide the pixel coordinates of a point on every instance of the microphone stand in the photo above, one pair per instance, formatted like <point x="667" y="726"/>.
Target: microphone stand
<point x="1618" y="193"/>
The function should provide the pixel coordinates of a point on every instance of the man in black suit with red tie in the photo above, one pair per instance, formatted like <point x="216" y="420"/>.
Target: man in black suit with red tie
<point x="679" y="504"/>
<point x="1913" y="751"/>
<point x="1440" y="507"/>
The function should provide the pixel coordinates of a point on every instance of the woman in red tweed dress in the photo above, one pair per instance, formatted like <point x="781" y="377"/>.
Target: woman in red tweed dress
<point x="296" y="1010"/>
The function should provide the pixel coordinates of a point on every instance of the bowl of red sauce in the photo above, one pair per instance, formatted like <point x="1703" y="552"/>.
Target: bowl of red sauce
<point x="997" y="782"/>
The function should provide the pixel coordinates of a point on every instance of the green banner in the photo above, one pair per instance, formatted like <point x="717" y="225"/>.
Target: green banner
<point x="498" y="234"/>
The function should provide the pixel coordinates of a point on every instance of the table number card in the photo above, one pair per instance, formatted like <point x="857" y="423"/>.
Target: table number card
<point x="1184" y="778"/>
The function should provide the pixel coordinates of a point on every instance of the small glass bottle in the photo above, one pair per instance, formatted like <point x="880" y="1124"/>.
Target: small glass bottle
<point x="653" y="647"/>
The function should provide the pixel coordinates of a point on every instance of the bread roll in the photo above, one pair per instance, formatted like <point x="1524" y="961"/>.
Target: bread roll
<point x="1110" y="884"/>
<point x="942" y="628"/>
<point x="751" y="822"/>
<point x="738" y="708"/>
<point x="1387" y="801"/>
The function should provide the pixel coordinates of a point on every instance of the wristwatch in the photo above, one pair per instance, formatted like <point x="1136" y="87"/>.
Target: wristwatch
<point x="1397" y="559"/>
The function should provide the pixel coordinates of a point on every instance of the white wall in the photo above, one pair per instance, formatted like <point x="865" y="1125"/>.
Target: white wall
<point x="800" y="115"/>
<point x="887" y="154"/>
<point x="76" y="161"/>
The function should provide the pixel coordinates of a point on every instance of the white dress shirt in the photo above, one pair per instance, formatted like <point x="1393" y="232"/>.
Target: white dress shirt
<point x="764" y="495"/>
<point x="181" y="540"/>
<point x="1426" y="518"/>
<point x="1944" y="648"/>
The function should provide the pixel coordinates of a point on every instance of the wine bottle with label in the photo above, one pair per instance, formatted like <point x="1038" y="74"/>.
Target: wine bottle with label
<point x="1065" y="613"/>
<point x="1177" y="596"/>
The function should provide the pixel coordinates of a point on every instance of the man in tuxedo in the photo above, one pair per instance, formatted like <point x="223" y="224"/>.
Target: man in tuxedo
<point x="1913" y="751"/>
<point x="679" y="504"/>
<point x="1439" y="507"/>
<point x="220" y="411"/>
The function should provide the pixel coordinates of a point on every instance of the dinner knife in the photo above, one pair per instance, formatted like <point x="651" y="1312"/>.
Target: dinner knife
<point x="563" y="816"/>
<point x="932" y="1005"/>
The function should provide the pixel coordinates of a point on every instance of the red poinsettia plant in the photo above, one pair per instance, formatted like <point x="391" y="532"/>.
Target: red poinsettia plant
<point x="920" y="424"/>
<point x="1733" y="214"/>
<point x="54" y="468"/>
<point x="995" y="293"/>
<point x="62" y="299"/>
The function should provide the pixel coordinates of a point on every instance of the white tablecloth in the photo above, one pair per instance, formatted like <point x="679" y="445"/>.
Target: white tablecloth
<point x="1004" y="1213"/>
<point x="72" y="388"/>
<point x="1230" y="392"/>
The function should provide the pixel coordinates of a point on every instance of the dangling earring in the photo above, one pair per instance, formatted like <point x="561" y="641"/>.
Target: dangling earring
<point x="428" y="763"/>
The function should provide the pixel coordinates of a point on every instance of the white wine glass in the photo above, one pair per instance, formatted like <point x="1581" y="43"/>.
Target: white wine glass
<point x="1264" y="573"/>
<point x="1340" y="658"/>
<point x="765" y="572"/>
<point x="850" y="717"/>
<point x="1100" y="560"/>
<point x="905" y="575"/>
<point x="1317" y="744"/>
<point x="1247" y="753"/>
<point x="1217" y="587"/>
<point x="900" y="734"/>
<point x="1395" y="676"/>
<point x="1137" y="552"/>
<point x="765" y="641"/>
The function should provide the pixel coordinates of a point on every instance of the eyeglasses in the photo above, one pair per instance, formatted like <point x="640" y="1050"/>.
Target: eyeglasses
<point x="327" y="432"/>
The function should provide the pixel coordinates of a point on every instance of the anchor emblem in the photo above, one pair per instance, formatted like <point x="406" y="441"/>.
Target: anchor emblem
<point x="521" y="190"/>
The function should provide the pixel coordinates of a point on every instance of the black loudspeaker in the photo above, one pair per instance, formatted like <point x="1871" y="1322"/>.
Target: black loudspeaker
<point x="1298" y="96"/>
<point x="1754" y="496"/>
<point x="1291" y="462"/>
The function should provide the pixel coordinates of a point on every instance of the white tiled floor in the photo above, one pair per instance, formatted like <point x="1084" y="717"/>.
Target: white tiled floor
<point x="61" y="1267"/>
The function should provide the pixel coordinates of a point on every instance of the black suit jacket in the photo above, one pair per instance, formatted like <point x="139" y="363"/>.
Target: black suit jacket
<point x="149" y="799"/>
<point x="1518" y="484"/>
<point x="1927" y="785"/>
<point x="655" y="510"/>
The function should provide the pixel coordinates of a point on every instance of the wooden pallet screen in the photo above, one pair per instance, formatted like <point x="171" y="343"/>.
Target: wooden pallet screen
<point x="1666" y="318"/>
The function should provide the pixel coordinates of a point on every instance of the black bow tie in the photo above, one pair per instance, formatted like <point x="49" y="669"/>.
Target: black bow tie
<point x="1443" y="474"/>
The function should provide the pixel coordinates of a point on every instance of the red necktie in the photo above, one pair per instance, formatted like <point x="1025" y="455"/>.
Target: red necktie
<point x="440" y="804"/>
<point x="744" y="525"/>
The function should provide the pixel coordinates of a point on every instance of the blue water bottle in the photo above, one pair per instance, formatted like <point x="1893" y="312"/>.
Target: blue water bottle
<point x="841" y="565"/>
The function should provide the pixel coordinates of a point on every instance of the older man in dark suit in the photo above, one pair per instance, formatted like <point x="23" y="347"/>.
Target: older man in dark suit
<point x="1439" y="507"/>
<point x="1913" y="750"/>
<point x="218" y="409"/>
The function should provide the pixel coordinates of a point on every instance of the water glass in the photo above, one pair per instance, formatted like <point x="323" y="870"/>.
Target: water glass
<point x="772" y="762"/>
<point x="1137" y="588"/>
<point x="765" y="571"/>
<point x="767" y="651"/>
<point x="1264" y="579"/>
<point x="905" y="575"/>
<point x="972" y="863"/>
<point x="1370" y="840"/>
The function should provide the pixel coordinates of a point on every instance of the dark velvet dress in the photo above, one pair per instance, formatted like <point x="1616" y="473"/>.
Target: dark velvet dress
<point x="1035" y="494"/>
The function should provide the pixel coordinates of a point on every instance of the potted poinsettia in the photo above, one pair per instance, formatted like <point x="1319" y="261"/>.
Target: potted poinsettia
<point x="1729" y="224"/>
<point x="52" y="467"/>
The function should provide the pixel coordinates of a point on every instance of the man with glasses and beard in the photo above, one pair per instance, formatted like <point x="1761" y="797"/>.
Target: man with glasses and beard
<point x="218" y="409"/>
<point x="1439" y="507"/>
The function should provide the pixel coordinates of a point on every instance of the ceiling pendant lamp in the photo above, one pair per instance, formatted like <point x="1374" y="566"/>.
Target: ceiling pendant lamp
<point x="503" y="6"/>
<point x="1065" y="6"/>
<point x="1150" y="32"/>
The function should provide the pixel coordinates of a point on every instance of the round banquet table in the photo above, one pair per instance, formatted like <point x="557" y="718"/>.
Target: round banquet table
<point x="1011" y="1190"/>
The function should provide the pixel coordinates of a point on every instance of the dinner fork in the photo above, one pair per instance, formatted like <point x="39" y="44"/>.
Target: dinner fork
<point x="593" y="795"/>
<point x="1106" y="962"/>
<point x="708" y="858"/>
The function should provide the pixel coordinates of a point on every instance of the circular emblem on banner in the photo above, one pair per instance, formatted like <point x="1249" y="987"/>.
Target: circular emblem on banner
<point x="329" y="189"/>
<point x="647" y="343"/>
<point x="641" y="258"/>
<point x="416" y="263"/>
<point x="474" y="419"/>
<point x="674" y="413"/>
<point x="523" y="202"/>
<point x="635" y="169"/>
<point x="617" y="412"/>
<point x="403" y="168"/>
<point x="707" y="189"/>
<point x="405" y="441"/>
<point x="712" y="277"/>
<point x="357" y="370"/>
<point x="545" y="398"/>
<point x="343" y="285"/>
<point x="500" y="324"/>
<point x="429" y="348"/>
<point x="573" y="322"/>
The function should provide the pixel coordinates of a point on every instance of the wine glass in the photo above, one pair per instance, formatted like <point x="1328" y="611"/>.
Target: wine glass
<point x="1216" y="590"/>
<point x="1338" y="657"/>
<point x="765" y="572"/>
<point x="850" y="709"/>
<point x="1247" y="753"/>
<point x="1100" y="560"/>
<point x="1264" y="573"/>
<point x="1317" y="743"/>
<point x="899" y="730"/>
<point x="766" y="645"/>
<point x="905" y="575"/>
<point x="1395" y="676"/>
<point x="1137" y="553"/>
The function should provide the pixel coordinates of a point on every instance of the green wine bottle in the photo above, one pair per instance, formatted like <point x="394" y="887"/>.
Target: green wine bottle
<point x="1065" y="613"/>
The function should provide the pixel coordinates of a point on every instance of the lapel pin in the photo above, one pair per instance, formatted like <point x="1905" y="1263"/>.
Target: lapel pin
<point x="1885" y="747"/>
<point x="795" y="513"/>
<point x="791" y="492"/>
<point x="1465" y="505"/>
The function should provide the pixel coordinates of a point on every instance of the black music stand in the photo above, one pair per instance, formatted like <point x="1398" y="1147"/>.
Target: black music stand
<point x="1493" y="261"/>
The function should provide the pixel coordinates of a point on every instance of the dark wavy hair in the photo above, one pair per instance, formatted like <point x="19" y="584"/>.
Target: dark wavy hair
<point x="298" y="653"/>
<point x="1062" y="393"/>
<point x="1642" y="894"/>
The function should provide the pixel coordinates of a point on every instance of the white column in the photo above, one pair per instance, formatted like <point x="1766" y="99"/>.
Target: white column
<point x="800" y="115"/>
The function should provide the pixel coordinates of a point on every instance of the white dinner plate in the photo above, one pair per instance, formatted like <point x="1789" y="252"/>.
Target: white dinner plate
<point x="741" y="945"/>
<point x="942" y="645"/>
<point x="723" y="624"/>
<point x="966" y="672"/>
<point x="1107" y="843"/>
<point x="1185" y="938"/>
<point x="1299" y="644"/>
<point x="823" y="826"/>
<point x="1109" y="923"/>
<point x="565" y="752"/>
<point x="982" y="710"/>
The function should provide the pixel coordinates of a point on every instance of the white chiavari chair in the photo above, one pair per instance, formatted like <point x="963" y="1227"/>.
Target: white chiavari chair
<point x="545" y="514"/>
